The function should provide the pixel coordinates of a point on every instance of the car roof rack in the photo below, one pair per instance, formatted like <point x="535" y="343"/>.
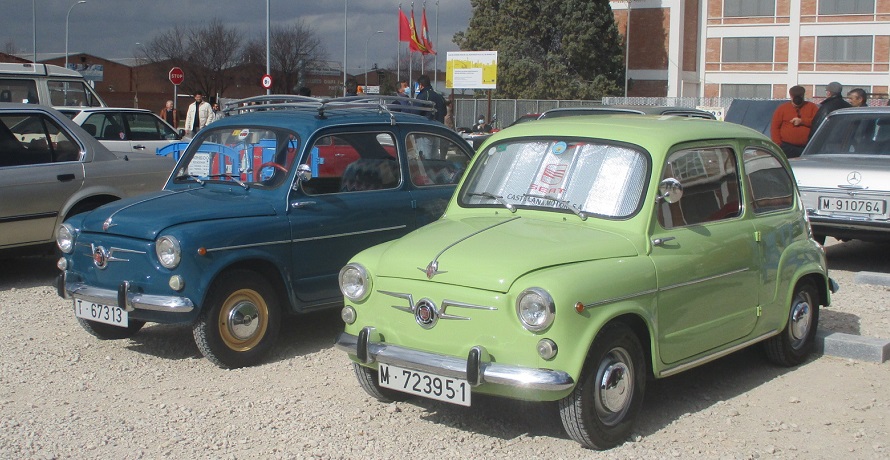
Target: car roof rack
<point x="382" y="104"/>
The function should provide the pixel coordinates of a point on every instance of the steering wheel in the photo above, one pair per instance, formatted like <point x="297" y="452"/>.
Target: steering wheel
<point x="274" y="165"/>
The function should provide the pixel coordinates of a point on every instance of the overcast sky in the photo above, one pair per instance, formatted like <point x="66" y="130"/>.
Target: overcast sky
<point x="112" y="28"/>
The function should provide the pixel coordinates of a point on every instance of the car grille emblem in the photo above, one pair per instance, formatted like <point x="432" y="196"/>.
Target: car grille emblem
<point x="425" y="313"/>
<point x="854" y="178"/>
<point x="100" y="257"/>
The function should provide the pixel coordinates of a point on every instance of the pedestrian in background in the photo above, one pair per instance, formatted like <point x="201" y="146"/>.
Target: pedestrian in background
<point x="790" y="127"/>
<point x="169" y="115"/>
<point x="198" y="114"/>
<point x="858" y="97"/>
<point x="217" y="113"/>
<point x="304" y="91"/>
<point x="427" y="93"/>
<point x="834" y="100"/>
<point x="351" y="87"/>
<point x="449" y="112"/>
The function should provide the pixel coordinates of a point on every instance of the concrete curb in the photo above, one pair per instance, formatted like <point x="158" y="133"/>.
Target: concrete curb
<point x="880" y="279"/>
<point x="851" y="346"/>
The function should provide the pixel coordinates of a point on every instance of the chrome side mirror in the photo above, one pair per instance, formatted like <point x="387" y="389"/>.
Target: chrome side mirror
<point x="670" y="190"/>
<point x="304" y="172"/>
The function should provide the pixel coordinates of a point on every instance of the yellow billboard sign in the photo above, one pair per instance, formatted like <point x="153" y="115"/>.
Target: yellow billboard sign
<point x="471" y="70"/>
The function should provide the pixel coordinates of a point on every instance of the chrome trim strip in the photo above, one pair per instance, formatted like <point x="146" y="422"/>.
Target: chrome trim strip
<point x="300" y="240"/>
<point x="444" y="305"/>
<point x="169" y="304"/>
<point x="251" y="245"/>
<point x="701" y="280"/>
<point x="619" y="299"/>
<point x="709" y="358"/>
<point x="525" y="378"/>
<point x="408" y="297"/>
<point x="111" y="216"/>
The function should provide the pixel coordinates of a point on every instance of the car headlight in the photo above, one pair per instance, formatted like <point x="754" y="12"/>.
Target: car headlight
<point x="169" y="252"/>
<point x="536" y="309"/>
<point x="355" y="283"/>
<point x="65" y="238"/>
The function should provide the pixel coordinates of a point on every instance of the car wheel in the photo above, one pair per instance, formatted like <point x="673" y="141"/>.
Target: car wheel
<point x="240" y="321"/>
<point x="367" y="378"/>
<point x="108" y="332"/>
<point x="601" y="410"/>
<point x="792" y="346"/>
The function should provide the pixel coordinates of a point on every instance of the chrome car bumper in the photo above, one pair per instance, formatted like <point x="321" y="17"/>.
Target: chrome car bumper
<point x="123" y="298"/>
<point x="477" y="368"/>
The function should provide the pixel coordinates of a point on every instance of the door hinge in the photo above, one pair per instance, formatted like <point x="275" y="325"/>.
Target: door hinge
<point x="757" y="237"/>
<point x="413" y="204"/>
<point x="759" y="311"/>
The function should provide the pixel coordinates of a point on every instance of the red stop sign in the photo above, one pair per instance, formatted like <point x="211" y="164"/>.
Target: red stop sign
<point x="177" y="76"/>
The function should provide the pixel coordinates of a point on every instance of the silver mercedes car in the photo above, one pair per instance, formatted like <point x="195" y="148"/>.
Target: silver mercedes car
<point x="844" y="175"/>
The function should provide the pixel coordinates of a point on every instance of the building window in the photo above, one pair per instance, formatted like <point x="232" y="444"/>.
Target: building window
<point x="746" y="91"/>
<point x="844" y="49"/>
<point x="743" y="8"/>
<point x="846" y="6"/>
<point x="748" y="49"/>
<point x="819" y="90"/>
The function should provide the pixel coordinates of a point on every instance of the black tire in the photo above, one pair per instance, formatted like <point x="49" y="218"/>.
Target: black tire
<point x="795" y="343"/>
<point x="108" y="332"/>
<point x="367" y="378"/>
<point x="240" y="320"/>
<point x="598" y="418"/>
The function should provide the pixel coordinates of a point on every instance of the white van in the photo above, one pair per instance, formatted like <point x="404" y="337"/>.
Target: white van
<point x="46" y="84"/>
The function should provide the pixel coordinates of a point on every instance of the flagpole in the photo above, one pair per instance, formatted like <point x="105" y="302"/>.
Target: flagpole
<point x="399" y="49"/>
<point x="436" y="59"/>
<point x="345" y="19"/>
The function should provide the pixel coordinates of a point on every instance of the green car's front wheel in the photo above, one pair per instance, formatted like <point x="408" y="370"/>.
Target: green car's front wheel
<point x="367" y="378"/>
<point x="600" y="412"/>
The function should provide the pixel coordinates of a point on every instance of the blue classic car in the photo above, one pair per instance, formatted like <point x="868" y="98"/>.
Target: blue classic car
<point x="259" y="215"/>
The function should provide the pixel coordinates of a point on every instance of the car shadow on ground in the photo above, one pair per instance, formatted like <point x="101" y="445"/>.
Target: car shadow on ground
<point x="27" y="271"/>
<point x="858" y="256"/>
<point x="836" y="321"/>
<point x="666" y="400"/>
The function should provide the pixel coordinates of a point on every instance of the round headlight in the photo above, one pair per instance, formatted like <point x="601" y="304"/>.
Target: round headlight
<point x="169" y="253"/>
<point x="535" y="309"/>
<point x="65" y="238"/>
<point x="355" y="283"/>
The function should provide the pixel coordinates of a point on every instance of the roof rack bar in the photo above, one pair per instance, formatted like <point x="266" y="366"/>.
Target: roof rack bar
<point x="384" y="104"/>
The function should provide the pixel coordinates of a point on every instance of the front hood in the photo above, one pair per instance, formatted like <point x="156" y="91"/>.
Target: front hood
<point x="492" y="252"/>
<point x="145" y="216"/>
<point x="871" y="173"/>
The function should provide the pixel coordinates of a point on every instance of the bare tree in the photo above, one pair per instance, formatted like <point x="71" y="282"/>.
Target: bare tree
<point x="293" y="49"/>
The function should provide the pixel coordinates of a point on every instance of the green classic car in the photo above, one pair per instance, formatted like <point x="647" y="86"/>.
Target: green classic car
<point x="580" y="256"/>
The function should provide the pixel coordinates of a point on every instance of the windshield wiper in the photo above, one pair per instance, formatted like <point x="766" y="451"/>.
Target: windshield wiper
<point x="231" y="177"/>
<point x="189" y="176"/>
<point x="497" y="198"/>
<point x="565" y="203"/>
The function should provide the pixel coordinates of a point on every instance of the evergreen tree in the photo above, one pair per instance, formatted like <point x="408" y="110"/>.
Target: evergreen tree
<point x="549" y="49"/>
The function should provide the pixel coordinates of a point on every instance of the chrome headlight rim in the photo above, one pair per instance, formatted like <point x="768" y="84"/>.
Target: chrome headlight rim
<point x="169" y="251"/>
<point x="549" y="309"/>
<point x="353" y="291"/>
<point x="65" y="235"/>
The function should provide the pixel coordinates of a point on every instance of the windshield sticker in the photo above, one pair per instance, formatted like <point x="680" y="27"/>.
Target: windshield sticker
<point x="243" y="134"/>
<point x="554" y="174"/>
<point x="559" y="148"/>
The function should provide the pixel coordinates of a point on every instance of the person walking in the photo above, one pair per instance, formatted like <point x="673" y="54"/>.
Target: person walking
<point x="858" y="97"/>
<point x="169" y="115"/>
<point x="834" y="100"/>
<point x="198" y="114"/>
<point x="427" y="93"/>
<point x="217" y="114"/>
<point x="790" y="126"/>
<point x="351" y="87"/>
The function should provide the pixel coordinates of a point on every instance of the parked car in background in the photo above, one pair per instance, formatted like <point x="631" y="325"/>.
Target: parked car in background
<point x="582" y="255"/>
<point x="260" y="214"/>
<point x="525" y="118"/>
<point x="46" y="84"/>
<point x="51" y="169"/>
<point x="844" y="175"/>
<point x="756" y="114"/>
<point x="627" y="109"/>
<point x="125" y="130"/>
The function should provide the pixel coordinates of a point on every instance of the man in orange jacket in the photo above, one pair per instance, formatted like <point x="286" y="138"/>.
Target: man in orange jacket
<point x="791" y="123"/>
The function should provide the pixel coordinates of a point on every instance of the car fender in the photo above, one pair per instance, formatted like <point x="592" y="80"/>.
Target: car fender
<point x="798" y="261"/>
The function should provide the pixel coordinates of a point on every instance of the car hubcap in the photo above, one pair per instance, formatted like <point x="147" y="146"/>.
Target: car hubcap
<point x="244" y="319"/>
<point x="801" y="315"/>
<point x="614" y="386"/>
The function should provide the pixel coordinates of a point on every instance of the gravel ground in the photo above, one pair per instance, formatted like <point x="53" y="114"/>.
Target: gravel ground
<point x="64" y="394"/>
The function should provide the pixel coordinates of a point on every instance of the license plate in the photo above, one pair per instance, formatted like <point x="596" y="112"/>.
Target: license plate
<point x="455" y="391"/>
<point x="108" y="314"/>
<point x="851" y="205"/>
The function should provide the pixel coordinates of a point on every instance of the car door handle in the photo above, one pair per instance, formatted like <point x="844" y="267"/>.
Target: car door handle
<point x="301" y="204"/>
<point x="65" y="177"/>
<point x="661" y="241"/>
<point x="139" y="147"/>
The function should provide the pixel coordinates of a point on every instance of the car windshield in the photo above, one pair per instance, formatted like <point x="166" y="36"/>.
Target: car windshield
<point x="590" y="177"/>
<point x="248" y="156"/>
<point x="853" y="134"/>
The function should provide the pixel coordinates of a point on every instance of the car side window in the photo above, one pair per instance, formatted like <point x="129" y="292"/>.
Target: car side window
<point x="105" y="126"/>
<point x="353" y="162"/>
<point x="771" y="185"/>
<point x="18" y="90"/>
<point x="34" y="139"/>
<point x="146" y="127"/>
<point x="710" y="187"/>
<point x="434" y="160"/>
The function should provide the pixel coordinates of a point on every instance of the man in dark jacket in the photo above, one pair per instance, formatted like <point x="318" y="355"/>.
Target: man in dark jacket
<point x="427" y="93"/>
<point x="833" y="101"/>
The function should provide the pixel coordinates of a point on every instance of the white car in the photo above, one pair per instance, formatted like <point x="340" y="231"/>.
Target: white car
<point x="125" y="130"/>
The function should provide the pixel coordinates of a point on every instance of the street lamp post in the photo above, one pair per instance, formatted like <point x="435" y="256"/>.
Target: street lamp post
<point x="367" y="67"/>
<point x="66" y="29"/>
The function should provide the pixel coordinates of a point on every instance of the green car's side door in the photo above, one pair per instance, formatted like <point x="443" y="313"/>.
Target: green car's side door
<point x="706" y="256"/>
